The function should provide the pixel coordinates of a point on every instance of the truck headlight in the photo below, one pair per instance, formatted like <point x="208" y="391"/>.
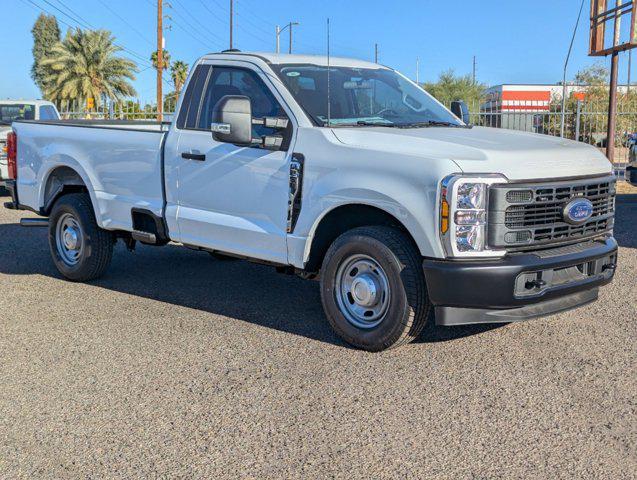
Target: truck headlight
<point x="463" y="215"/>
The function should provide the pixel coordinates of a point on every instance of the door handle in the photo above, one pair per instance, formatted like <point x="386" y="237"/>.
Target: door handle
<point x="200" y="157"/>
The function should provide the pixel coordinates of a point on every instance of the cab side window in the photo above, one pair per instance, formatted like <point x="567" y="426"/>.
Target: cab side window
<point x="237" y="81"/>
<point x="47" y="112"/>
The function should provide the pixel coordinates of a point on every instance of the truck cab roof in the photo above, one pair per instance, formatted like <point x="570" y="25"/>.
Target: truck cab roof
<point x="294" y="59"/>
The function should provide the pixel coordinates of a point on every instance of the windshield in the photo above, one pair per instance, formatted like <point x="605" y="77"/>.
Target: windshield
<point x="363" y="97"/>
<point x="16" y="111"/>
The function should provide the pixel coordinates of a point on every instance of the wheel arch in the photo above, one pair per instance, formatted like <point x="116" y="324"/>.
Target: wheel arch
<point x="341" y="218"/>
<point x="59" y="180"/>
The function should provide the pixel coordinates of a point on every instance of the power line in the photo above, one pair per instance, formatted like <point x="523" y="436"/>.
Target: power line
<point x="204" y="27"/>
<point x="83" y="23"/>
<point x="125" y="21"/>
<point x="193" y="28"/>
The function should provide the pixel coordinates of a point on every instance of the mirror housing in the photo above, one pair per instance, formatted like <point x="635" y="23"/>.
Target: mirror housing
<point x="460" y="110"/>
<point x="232" y="120"/>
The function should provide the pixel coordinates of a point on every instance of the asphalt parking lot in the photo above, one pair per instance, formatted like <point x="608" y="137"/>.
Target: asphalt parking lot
<point x="179" y="365"/>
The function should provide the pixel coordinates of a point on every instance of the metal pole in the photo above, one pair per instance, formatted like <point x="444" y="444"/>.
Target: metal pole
<point x="231" y="21"/>
<point x="160" y="60"/>
<point x="417" y="71"/>
<point x="375" y="53"/>
<point x="474" y="69"/>
<point x="630" y="61"/>
<point x="568" y="56"/>
<point x="278" y="39"/>
<point x="290" y="49"/>
<point x="612" y="101"/>
<point x="612" y="108"/>
<point x="578" y="119"/>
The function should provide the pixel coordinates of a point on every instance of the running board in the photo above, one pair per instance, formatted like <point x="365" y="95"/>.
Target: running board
<point x="144" y="237"/>
<point x="34" y="222"/>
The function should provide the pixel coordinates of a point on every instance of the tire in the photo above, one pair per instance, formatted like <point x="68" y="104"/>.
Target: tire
<point x="85" y="251"/>
<point x="382" y="260"/>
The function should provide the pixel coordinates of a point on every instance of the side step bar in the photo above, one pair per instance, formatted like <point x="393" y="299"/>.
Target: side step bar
<point x="34" y="222"/>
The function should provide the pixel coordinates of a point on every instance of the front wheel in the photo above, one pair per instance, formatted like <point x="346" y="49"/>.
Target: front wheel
<point x="373" y="288"/>
<point x="81" y="250"/>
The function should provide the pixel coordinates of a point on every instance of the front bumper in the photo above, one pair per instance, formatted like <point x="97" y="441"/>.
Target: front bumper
<point x="519" y="286"/>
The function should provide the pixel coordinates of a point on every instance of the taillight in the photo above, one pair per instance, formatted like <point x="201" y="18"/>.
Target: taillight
<point x="12" y="155"/>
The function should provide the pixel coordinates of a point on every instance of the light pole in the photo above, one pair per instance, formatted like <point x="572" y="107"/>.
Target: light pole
<point x="278" y="36"/>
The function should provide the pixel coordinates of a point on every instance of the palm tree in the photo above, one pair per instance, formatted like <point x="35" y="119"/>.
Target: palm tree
<point x="165" y="59"/>
<point x="85" y="65"/>
<point x="179" y="73"/>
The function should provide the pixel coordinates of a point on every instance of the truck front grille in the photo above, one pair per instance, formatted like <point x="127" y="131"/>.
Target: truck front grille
<point x="523" y="216"/>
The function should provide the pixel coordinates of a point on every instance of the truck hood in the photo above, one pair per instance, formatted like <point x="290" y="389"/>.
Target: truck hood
<point x="516" y="155"/>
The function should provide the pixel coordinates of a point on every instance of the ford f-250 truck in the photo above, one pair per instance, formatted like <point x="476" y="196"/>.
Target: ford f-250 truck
<point x="340" y="170"/>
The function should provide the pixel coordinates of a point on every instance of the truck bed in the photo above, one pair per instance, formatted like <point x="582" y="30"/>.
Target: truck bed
<point x="120" y="161"/>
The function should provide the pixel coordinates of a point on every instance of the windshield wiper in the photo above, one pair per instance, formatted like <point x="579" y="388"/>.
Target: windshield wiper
<point x="364" y="123"/>
<point x="431" y="123"/>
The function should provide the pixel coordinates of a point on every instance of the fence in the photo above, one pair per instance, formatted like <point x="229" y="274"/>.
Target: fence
<point x="585" y="121"/>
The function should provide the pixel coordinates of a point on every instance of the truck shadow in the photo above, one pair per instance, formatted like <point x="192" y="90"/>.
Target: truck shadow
<point x="185" y="278"/>
<point x="235" y="289"/>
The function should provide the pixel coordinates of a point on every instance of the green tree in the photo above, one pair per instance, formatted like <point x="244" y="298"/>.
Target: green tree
<point x="450" y="87"/>
<point x="46" y="33"/>
<point x="165" y="59"/>
<point x="86" y="65"/>
<point x="179" y="73"/>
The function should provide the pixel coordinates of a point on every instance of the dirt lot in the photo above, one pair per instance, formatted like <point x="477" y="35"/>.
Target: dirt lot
<point x="179" y="365"/>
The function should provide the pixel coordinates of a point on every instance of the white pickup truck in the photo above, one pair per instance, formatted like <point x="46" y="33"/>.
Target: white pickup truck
<point x="340" y="170"/>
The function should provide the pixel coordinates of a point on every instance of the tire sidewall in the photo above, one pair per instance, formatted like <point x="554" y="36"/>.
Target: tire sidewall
<point x="392" y="326"/>
<point x="75" y="271"/>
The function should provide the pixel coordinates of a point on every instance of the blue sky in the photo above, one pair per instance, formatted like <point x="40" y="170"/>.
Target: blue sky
<point x="515" y="41"/>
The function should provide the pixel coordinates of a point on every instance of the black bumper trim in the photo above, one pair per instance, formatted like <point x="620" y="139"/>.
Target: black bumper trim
<point x="14" y="204"/>
<point x="449" y="316"/>
<point x="491" y="284"/>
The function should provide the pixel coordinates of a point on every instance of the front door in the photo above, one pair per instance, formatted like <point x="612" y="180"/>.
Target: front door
<point x="231" y="198"/>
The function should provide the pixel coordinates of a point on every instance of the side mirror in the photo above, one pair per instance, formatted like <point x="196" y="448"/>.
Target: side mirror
<point x="232" y="120"/>
<point x="460" y="110"/>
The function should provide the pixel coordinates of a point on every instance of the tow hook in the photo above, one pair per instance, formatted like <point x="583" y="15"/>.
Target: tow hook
<point x="34" y="222"/>
<point x="610" y="266"/>
<point x="539" y="283"/>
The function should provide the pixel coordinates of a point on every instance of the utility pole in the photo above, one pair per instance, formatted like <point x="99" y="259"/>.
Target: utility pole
<point x="375" y="53"/>
<point x="474" y="70"/>
<point x="231" y="21"/>
<point x="160" y="60"/>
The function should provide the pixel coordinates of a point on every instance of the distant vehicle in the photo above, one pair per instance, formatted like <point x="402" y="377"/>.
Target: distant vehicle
<point x="11" y="110"/>
<point x="395" y="203"/>
<point x="631" y="168"/>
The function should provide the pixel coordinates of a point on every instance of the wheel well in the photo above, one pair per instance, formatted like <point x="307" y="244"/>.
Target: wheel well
<point x="345" y="218"/>
<point x="61" y="181"/>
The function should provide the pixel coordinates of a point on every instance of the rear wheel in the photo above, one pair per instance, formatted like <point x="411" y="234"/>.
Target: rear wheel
<point x="80" y="249"/>
<point x="373" y="288"/>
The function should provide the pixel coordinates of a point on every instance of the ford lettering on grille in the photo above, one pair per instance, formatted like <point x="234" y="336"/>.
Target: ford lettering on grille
<point x="578" y="211"/>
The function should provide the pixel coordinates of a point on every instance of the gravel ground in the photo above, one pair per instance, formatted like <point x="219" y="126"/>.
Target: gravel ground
<point x="179" y="365"/>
